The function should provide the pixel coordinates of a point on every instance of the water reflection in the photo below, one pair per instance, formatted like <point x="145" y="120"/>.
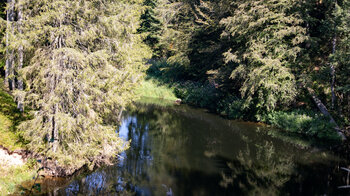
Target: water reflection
<point x="184" y="151"/>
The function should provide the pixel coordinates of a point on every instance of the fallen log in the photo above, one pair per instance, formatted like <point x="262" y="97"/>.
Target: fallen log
<point x="324" y="111"/>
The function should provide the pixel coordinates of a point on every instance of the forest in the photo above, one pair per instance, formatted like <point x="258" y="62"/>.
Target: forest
<point x="70" y="68"/>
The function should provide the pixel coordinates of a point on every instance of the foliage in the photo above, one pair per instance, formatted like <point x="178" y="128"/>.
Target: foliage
<point x="232" y="107"/>
<point x="260" y="54"/>
<point x="12" y="139"/>
<point x="341" y="58"/>
<point x="266" y="43"/>
<point x="166" y="72"/>
<point x="10" y="117"/>
<point x="11" y="177"/>
<point x="150" y="25"/>
<point x="197" y="94"/>
<point x="85" y="59"/>
<point x="305" y="123"/>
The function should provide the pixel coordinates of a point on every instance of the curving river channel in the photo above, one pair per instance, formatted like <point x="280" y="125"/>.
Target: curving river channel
<point x="179" y="150"/>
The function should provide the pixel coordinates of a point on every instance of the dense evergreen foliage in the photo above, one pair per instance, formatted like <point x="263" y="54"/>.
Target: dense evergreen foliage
<point x="76" y="64"/>
<point x="82" y="60"/>
<point x="258" y="56"/>
<point x="150" y="25"/>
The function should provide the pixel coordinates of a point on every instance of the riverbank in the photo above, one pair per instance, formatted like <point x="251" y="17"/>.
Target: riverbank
<point x="14" y="167"/>
<point x="151" y="88"/>
<point x="299" y="120"/>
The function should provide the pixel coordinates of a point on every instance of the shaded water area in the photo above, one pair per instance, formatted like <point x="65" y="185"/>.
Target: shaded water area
<point x="179" y="150"/>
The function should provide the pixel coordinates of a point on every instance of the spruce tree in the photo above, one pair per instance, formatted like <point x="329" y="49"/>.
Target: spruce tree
<point x="150" y="25"/>
<point x="84" y="60"/>
<point x="341" y="57"/>
<point x="266" y="37"/>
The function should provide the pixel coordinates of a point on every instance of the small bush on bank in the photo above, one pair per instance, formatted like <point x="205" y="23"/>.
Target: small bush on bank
<point x="306" y="123"/>
<point x="231" y="107"/>
<point x="165" y="72"/>
<point x="197" y="94"/>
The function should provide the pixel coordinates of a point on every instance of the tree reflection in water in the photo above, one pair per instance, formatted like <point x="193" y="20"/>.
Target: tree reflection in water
<point x="184" y="151"/>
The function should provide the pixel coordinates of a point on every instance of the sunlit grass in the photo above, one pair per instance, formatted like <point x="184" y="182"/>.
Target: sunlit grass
<point x="11" y="177"/>
<point x="152" y="89"/>
<point x="10" y="117"/>
<point x="8" y="138"/>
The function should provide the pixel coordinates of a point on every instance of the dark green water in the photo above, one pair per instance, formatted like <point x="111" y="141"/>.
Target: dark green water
<point x="179" y="150"/>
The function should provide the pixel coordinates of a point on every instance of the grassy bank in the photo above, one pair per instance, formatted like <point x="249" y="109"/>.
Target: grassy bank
<point x="10" y="139"/>
<point x="151" y="88"/>
<point x="11" y="177"/>
<point x="310" y="125"/>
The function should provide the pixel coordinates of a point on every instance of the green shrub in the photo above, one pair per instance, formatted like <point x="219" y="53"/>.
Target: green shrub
<point x="198" y="94"/>
<point x="306" y="123"/>
<point x="231" y="107"/>
<point x="166" y="72"/>
<point x="205" y="95"/>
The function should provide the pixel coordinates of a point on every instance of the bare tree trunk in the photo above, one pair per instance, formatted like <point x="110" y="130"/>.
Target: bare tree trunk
<point x="120" y="114"/>
<point x="334" y="44"/>
<point x="8" y="52"/>
<point x="9" y="69"/>
<point x="7" y="49"/>
<point x="324" y="111"/>
<point x="54" y="135"/>
<point x="20" y="59"/>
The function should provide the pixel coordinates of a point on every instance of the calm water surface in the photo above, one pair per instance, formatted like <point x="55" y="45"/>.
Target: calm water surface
<point x="179" y="150"/>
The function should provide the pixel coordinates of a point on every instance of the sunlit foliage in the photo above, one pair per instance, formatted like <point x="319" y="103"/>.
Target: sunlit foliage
<point x="84" y="58"/>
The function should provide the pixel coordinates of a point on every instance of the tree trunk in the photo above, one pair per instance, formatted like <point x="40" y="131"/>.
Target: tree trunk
<point x="120" y="114"/>
<point x="324" y="111"/>
<point x="20" y="60"/>
<point x="7" y="49"/>
<point x="54" y="135"/>
<point x="9" y="71"/>
<point x="334" y="44"/>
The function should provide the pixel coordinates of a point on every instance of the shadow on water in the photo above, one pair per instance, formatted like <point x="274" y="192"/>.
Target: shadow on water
<point x="184" y="151"/>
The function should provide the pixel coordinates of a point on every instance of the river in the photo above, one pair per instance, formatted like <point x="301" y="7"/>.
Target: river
<point x="179" y="150"/>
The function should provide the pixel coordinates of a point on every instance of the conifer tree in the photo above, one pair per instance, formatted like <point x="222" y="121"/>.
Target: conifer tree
<point x="150" y="24"/>
<point x="84" y="60"/>
<point x="341" y="57"/>
<point x="266" y="38"/>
